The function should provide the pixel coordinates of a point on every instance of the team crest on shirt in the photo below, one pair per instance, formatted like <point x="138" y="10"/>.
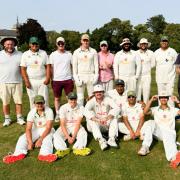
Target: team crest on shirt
<point x="133" y="118"/>
<point x="166" y="60"/>
<point x="36" y="62"/>
<point x="39" y="123"/>
<point x="164" y="116"/>
<point x="125" y="61"/>
<point x="142" y="60"/>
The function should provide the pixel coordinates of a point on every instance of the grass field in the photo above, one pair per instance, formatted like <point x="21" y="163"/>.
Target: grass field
<point x="122" y="163"/>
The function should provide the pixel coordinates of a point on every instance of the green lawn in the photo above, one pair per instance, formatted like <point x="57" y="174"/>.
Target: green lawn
<point x="122" y="163"/>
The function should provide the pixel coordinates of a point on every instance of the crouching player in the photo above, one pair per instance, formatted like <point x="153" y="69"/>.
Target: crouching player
<point x="133" y="118"/>
<point x="101" y="115"/>
<point x="162" y="127"/>
<point x="71" y="115"/>
<point x="39" y="131"/>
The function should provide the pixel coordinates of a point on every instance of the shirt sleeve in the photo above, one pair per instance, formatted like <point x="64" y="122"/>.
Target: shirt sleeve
<point x="138" y="65"/>
<point x="49" y="115"/>
<point x="51" y="58"/>
<point x="177" y="62"/>
<point x="62" y="113"/>
<point x="96" y="63"/>
<point x="116" y="66"/>
<point x="115" y="110"/>
<point x="23" y="60"/>
<point x="88" y="111"/>
<point x="47" y="61"/>
<point x="30" y="116"/>
<point x="75" y="64"/>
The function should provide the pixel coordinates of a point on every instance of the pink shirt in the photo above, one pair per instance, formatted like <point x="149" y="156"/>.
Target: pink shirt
<point x="105" y="66"/>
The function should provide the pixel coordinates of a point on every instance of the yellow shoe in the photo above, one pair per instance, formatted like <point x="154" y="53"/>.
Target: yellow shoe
<point x="62" y="153"/>
<point x="82" y="152"/>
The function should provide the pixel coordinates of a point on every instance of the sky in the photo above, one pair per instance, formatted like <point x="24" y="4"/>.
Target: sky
<point x="80" y="15"/>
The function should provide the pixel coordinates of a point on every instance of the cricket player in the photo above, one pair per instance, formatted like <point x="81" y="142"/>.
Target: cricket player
<point x="127" y="65"/>
<point x="61" y="71"/>
<point x="71" y="115"/>
<point x="10" y="79"/>
<point x="106" y="60"/>
<point x="35" y="69"/>
<point x="147" y="63"/>
<point x="177" y="64"/>
<point x="165" y="58"/>
<point x="85" y="68"/>
<point x="101" y="115"/>
<point x="39" y="133"/>
<point x="162" y="127"/>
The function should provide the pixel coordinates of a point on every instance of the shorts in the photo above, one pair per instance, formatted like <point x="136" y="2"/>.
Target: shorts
<point x="11" y="89"/>
<point x="58" y="86"/>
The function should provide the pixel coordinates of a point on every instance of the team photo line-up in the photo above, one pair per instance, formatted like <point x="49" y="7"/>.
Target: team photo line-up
<point x="107" y="109"/>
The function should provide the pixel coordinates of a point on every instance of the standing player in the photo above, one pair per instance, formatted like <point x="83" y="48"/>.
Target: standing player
<point x="71" y="115"/>
<point x="39" y="131"/>
<point x="61" y="64"/>
<point x="10" y="79"/>
<point x="127" y="65"/>
<point x="106" y="60"/>
<point x="147" y="62"/>
<point x="101" y="115"/>
<point x="85" y="68"/>
<point x="35" y="69"/>
<point x="162" y="127"/>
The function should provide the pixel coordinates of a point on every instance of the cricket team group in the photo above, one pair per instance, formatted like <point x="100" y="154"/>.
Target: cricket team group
<point x="118" y="96"/>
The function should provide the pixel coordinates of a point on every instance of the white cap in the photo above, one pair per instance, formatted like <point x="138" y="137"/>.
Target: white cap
<point x="98" y="88"/>
<point x="104" y="42"/>
<point x="145" y="41"/>
<point x="163" y="93"/>
<point x="60" y="39"/>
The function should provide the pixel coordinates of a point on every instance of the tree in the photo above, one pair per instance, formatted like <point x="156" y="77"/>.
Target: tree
<point x="31" y="28"/>
<point x="156" y="24"/>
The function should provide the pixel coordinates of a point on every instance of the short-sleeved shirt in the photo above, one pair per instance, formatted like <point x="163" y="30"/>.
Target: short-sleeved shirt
<point x="39" y="121"/>
<point x="61" y="63"/>
<point x="10" y="67"/>
<point x="70" y="115"/>
<point x="35" y="63"/>
<point x="133" y="113"/>
<point x="165" y="117"/>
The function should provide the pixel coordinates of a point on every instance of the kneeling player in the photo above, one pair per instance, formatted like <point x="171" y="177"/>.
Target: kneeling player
<point x="39" y="131"/>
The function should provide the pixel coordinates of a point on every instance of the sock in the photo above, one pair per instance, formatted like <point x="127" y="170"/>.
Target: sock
<point x="19" y="115"/>
<point x="7" y="116"/>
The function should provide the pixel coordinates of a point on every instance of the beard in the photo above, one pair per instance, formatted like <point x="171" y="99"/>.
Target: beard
<point x="126" y="49"/>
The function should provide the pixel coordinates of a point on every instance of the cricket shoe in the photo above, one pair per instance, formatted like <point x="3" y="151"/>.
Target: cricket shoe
<point x="47" y="158"/>
<point x="7" y="122"/>
<point x="21" y="121"/>
<point x="9" y="159"/>
<point x="82" y="152"/>
<point x="127" y="137"/>
<point x="103" y="144"/>
<point x="174" y="163"/>
<point x="62" y="153"/>
<point x="57" y="118"/>
<point x="144" y="150"/>
<point x="111" y="142"/>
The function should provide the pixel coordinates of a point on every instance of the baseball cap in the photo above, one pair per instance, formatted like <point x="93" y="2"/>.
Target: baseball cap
<point x="103" y="42"/>
<point x="131" y="93"/>
<point x="72" y="95"/>
<point x="60" y="39"/>
<point x="39" y="99"/>
<point x="164" y="38"/>
<point x="85" y="36"/>
<point x="98" y="88"/>
<point x="163" y="94"/>
<point x="119" y="82"/>
<point x="33" y="40"/>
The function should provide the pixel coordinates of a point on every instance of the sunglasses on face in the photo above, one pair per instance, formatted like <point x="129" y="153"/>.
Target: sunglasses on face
<point x="103" y="45"/>
<point x="85" y="40"/>
<point x="40" y="103"/>
<point x="35" y="44"/>
<point x="163" y="97"/>
<point x="60" y="43"/>
<point x="131" y="97"/>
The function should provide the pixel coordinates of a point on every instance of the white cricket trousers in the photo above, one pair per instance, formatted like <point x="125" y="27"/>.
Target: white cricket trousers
<point x="168" y="136"/>
<point x="59" y="138"/>
<point x="130" y="83"/>
<point x="46" y="147"/>
<point x="96" y="129"/>
<point x="107" y="85"/>
<point x="143" y="87"/>
<point x="124" y="130"/>
<point x="37" y="88"/>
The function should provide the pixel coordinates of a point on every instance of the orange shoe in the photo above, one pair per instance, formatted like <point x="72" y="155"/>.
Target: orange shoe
<point x="47" y="158"/>
<point x="174" y="164"/>
<point x="9" y="159"/>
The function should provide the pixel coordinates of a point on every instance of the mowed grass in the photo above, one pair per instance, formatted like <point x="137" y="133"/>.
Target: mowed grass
<point x="122" y="163"/>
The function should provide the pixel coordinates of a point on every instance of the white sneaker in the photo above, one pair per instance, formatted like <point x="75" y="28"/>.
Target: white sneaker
<point x="7" y="122"/>
<point x="57" y="119"/>
<point x="112" y="142"/>
<point x="21" y="121"/>
<point x="143" y="151"/>
<point x="103" y="144"/>
<point x="127" y="137"/>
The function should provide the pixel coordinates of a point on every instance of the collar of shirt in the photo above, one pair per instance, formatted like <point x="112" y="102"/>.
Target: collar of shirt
<point x="127" y="52"/>
<point x="159" y="108"/>
<point x="38" y="115"/>
<point x="86" y="50"/>
<point x="132" y="106"/>
<point x="34" y="53"/>
<point x="7" y="54"/>
<point x="72" y="109"/>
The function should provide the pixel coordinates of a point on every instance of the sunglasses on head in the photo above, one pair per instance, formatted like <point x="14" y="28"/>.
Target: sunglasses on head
<point x="131" y="97"/>
<point x="60" y="43"/>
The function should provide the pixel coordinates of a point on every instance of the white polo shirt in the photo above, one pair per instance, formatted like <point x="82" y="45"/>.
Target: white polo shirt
<point x="35" y="63"/>
<point x="39" y="121"/>
<point x="165" y="68"/>
<point x="10" y="67"/>
<point x="133" y="113"/>
<point x="61" y="63"/>
<point x="117" y="98"/>
<point x="147" y="61"/>
<point x="107" y="107"/>
<point x="85" y="62"/>
<point x="71" y="114"/>
<point x="165" y="117"/>
<point x="127" y="64"/>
